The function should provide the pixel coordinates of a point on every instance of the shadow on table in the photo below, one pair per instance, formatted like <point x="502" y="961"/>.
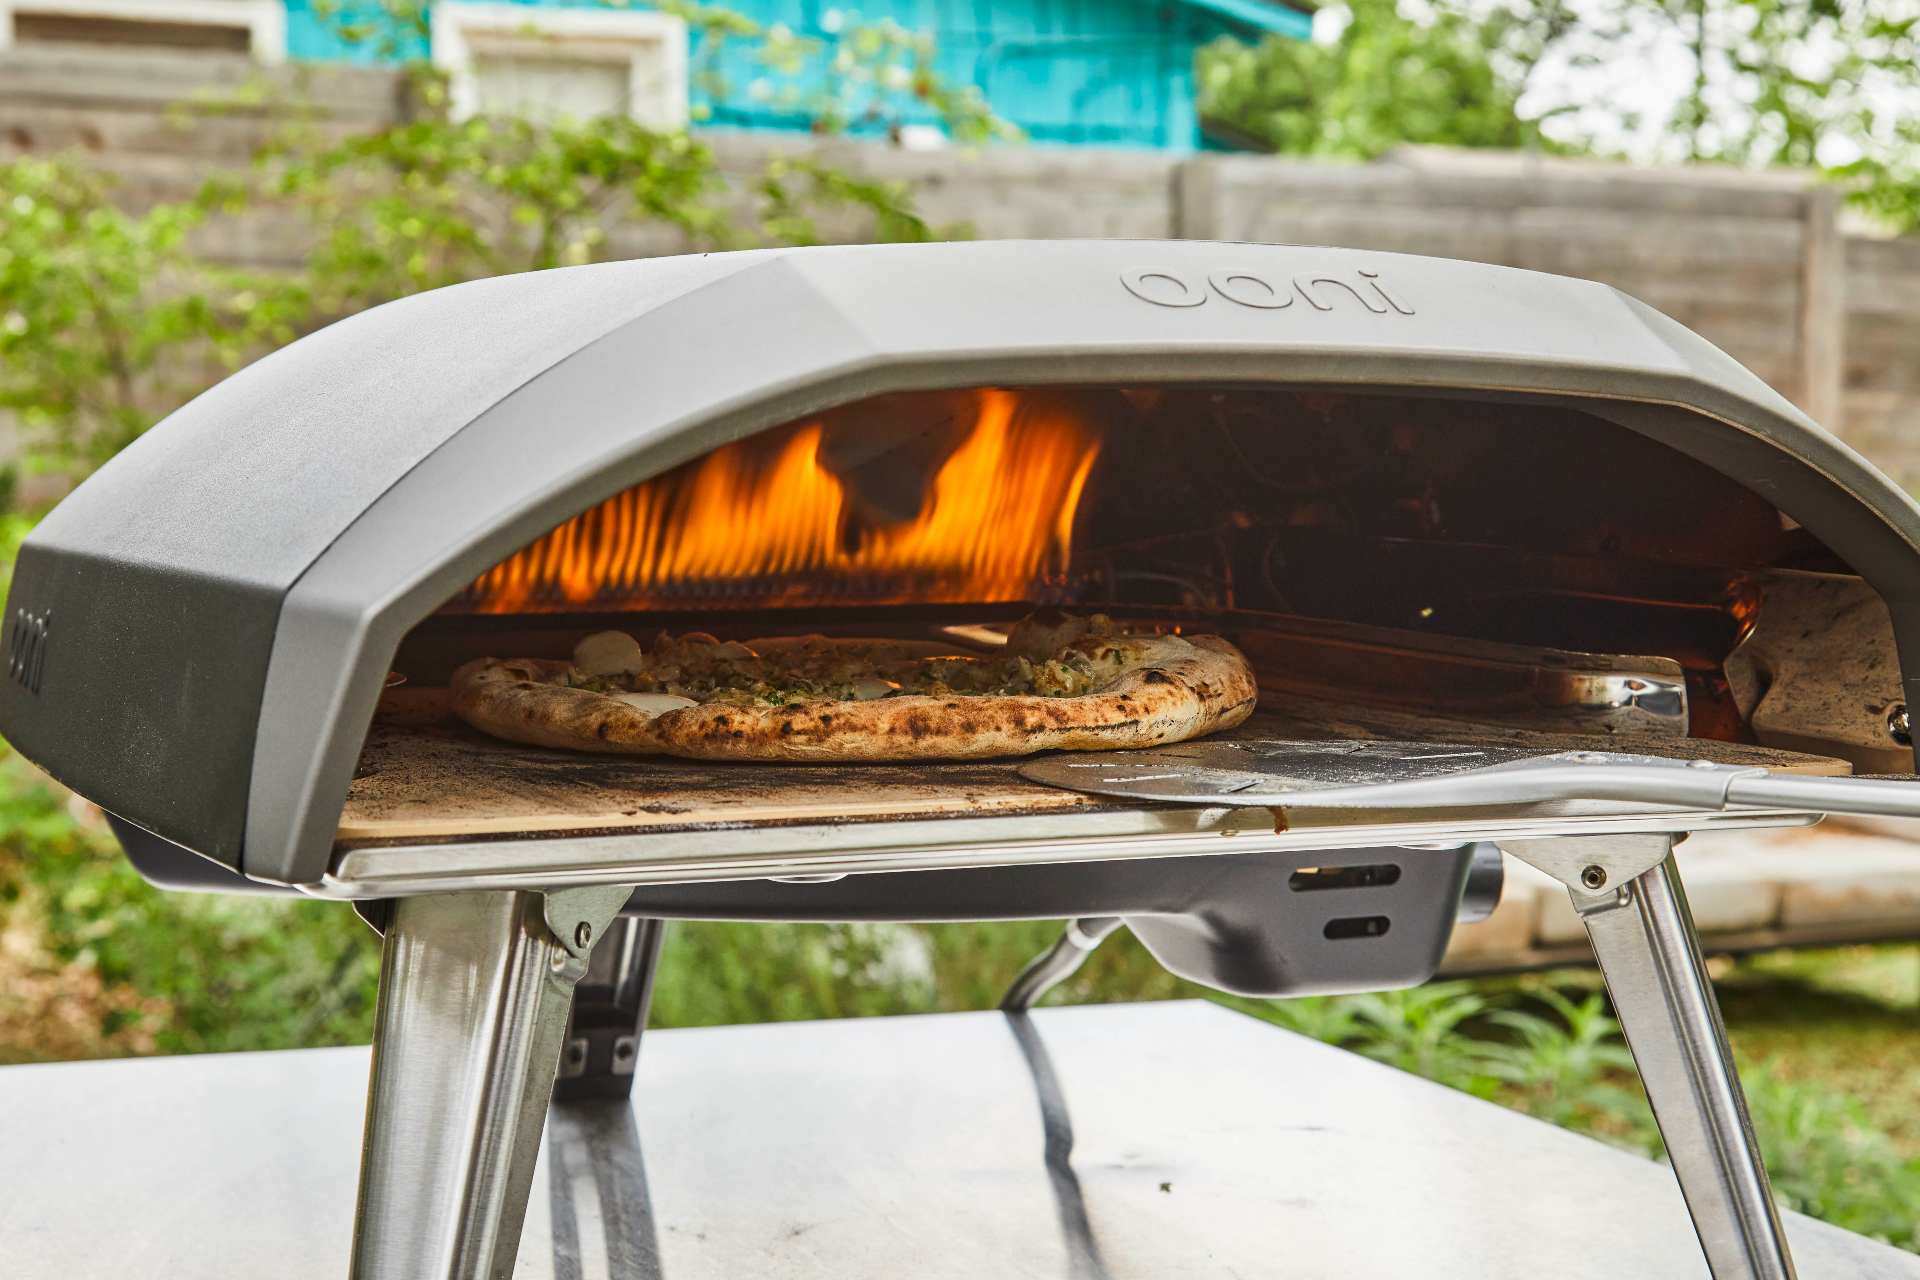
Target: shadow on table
<point x="603" y="1223"/>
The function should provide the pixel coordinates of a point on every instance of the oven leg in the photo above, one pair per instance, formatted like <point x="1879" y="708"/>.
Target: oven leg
<point x="474" y="993"/>
<point x="1643" y="937"/>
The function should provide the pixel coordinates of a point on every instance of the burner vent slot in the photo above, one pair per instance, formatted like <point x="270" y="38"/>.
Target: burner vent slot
<point x="1370" y="875"/>
<point x="1357" y="927"/>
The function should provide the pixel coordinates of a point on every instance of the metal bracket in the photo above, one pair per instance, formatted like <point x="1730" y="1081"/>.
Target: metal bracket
<point x="601" y="1050"/>
<point x="577" y="917"/>
<point x="1590" y="864"/>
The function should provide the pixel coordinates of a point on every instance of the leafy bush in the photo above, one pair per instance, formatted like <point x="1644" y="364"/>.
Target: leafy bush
<point x="1387" y="80"/>
<point x="106" y="318"/>
<point x="1827" y="1162"/>
<point x="156" y="972"/>
<point x="435" y="202"/>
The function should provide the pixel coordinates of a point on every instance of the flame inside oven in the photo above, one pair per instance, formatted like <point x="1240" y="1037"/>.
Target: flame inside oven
<point x="951" y="497"/>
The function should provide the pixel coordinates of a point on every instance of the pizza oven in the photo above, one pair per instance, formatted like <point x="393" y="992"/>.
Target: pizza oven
<point x="1518" y="561"/>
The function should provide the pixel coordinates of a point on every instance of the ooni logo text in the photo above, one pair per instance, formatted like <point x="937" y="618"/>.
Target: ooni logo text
<point x="1360" y="290"/>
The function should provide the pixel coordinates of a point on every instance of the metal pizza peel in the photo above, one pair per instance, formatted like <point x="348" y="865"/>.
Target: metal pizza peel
<point x="1380" y="774"/>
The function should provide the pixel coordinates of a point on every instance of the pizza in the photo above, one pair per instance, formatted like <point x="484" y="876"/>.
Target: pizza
<point x="1060" y="683"/>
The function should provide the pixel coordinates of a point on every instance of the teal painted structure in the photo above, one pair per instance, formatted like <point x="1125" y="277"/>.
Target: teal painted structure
<point x="1068" y="72"/>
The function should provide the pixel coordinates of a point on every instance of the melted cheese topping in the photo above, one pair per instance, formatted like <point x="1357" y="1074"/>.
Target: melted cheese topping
<point x="1062" y="657"/>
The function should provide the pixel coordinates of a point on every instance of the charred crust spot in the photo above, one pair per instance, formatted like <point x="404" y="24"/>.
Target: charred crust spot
<point x="524" y="684"/>
<point x="602" y="729"/>
<point x="825" y="721"/>
<point x="951" y="706"/>
<point x="739" y="733"/>
<point x="792" y="706"/>
<point x="1155" y="676"/>
<point x="721" y="722"/>
<point x="786" y="728"/>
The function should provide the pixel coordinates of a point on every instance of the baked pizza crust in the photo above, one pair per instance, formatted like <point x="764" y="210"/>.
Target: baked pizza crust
<point x="1166" y="689"/>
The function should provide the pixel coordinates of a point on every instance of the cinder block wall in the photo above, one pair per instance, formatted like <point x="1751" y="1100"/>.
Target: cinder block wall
<point x="1758" y="263"/>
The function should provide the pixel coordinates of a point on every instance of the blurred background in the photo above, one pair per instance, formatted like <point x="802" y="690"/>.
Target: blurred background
<point x="187" y="184"/>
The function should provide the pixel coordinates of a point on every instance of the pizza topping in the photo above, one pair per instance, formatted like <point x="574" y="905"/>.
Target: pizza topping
<point x="1047" y="631"/>
<point x="607" y="653"/>
<point x="654" y="704"/>
<point x="1054" y="656"/>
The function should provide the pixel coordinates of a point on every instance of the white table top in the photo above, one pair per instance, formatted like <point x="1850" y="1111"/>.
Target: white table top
<point x="1203" y="1143"/>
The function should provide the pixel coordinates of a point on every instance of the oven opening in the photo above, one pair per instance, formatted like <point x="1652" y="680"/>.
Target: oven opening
<point x="1394" y="566"/>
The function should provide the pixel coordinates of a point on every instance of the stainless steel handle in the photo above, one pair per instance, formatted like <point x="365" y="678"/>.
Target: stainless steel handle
<point x="1558" y="778"/>
<point x="1873" y="797"/>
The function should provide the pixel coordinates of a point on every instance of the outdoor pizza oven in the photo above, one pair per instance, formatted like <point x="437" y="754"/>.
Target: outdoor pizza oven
<point x="1434" y="502"/>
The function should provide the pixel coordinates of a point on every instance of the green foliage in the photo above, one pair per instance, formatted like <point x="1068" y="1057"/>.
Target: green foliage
<point x="1826" y="1161"/>
<point x="1830" y="86"/>
<point x="106" y="317"/>
<point x="433" y="202"/>
<point x="1388" y="79"/>
<point x="1423" y="1030"/>
<point x="1567" y="1066"/>
<point x="436" y="202"/>
<point x="1764" y="82"/>
<point x="719" y="973"/>
<point x="215" y="973"/>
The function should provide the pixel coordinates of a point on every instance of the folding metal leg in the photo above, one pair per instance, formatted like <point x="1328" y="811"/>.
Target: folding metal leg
<point x="1628" y="893"/>
<point x="1644" y="939"/>
<point x="474" y="994"/>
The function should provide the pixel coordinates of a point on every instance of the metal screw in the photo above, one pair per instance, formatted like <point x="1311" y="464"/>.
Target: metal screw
<point x="1594" y="877"/>
<point x="582" y="934"/>
<point x="1899" y="727"/>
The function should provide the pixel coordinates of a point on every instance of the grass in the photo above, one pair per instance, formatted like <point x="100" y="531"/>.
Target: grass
<point x="95" y="963"/>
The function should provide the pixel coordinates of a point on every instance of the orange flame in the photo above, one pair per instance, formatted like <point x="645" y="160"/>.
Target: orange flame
<point x="766" y="521"/>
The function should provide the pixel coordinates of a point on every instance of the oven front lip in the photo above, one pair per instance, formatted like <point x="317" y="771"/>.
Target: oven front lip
<point x="729" y="853"/>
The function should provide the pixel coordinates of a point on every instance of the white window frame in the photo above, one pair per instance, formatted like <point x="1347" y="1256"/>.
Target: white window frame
<point x="264" y="21"/>
<point x="652" y="45"/>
